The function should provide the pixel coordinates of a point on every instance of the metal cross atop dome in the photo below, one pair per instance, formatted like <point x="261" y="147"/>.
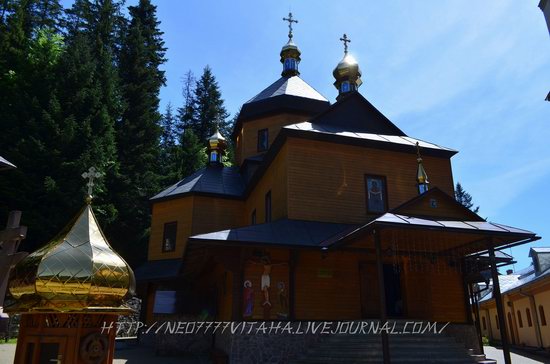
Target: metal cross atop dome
<point x="91" y="174"/>
<point x="290" y="20"/>
<point x="346" y="40"/>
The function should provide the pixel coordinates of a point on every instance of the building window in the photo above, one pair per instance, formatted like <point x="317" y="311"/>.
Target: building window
<point x="263" y="140"/>
<point x="496" y="319"/>
<point x="214" y="156"/>
<point x="484" y="323"/>
<point x="268" y="207"/>
<point x="290" y="64"/>
<point x="165" y="302"/>
<point x="542" y="316"/>
<point x="377" y="201"/>
<point x="528" y="314"/>
<point x="169" y="236"/>
<point x="520" y="321"/>
<point x="253" y="218"/>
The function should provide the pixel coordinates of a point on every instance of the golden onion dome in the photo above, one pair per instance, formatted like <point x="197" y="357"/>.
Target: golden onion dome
<point x="77" y="271"/>
<point x="216" y="140"/>
<point x="347" y="70"/>
<point x="290" y="50"/>
<point x="290" y="54"/>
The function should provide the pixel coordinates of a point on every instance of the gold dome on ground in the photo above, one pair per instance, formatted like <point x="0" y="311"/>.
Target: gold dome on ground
<point x="77" y="271"/>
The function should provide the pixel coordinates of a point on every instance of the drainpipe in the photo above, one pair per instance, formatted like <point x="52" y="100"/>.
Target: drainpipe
<point x="536" y="314"/>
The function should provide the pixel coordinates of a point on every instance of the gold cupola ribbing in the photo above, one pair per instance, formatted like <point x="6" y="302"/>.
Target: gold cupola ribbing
<point x="216" y="148"/>
<point x="347" y="72"/>
<point x="290" y="54"/>
<point x="421" y="175"/>
<point x="77" y="271"/>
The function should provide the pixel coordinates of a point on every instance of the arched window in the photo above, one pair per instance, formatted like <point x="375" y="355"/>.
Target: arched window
<point x="496" y="319"/>
<point x="484" y="323"/>
<point x="520" y="321"/>
<point x="542" y="316"/>
<point x="528" y="313"/>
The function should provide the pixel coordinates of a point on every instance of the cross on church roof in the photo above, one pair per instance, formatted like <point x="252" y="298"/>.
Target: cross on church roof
<point x="346" y="40"/>
<point x="90" y="175"/>
<point x="290" y="20"/>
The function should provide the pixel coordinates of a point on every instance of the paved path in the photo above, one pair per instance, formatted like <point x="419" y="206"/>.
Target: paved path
<point x="134" y="355"/>
<point x="517" y="357"/>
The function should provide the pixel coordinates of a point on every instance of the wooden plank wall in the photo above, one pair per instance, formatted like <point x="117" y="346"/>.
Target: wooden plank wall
<point x="330" y="186"/>
<point x="180" y="210"/>
<point x="275" y="179"/>
<point x="247" y="142"/>
<point x="195" y="215"/>
<point x="327" y="288"/>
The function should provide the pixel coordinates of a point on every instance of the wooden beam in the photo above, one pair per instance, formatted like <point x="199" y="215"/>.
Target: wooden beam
<point x="500" y="308"/>
<point x="382" y="294"/>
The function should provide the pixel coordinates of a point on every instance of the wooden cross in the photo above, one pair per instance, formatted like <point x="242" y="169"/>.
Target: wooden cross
<point x="90" y="175"/>
<point x="290" y="20"/>
<point x="346" y="40"/>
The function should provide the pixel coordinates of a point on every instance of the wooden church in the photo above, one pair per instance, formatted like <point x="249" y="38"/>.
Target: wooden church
<point x="331" y="212"/>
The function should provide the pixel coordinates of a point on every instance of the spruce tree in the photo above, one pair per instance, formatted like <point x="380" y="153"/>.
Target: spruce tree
<point x="139" y="130"/>
<point x="208" y="108"/>
<point x="464" y="198"/>
<point x="31" y="45"/>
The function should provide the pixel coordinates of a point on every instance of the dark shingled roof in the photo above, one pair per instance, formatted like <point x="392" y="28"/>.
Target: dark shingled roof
<point x="293" y="86"/>
<point x="211" y="180"/>
<point x="287" y="94"/>
<point x="283" y="232"/>
<point x="405" y="142"/>
<point x="355" y="113"/>
<point x="158" y="269"/>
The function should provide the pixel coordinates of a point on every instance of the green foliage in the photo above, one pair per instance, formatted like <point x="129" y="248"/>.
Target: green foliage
<point x="79" y="87"/>
<point x="464" y="198"/>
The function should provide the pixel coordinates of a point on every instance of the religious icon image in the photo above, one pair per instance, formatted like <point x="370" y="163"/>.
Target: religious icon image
<point x="248" y="299"/>
<point x="376" y="195"/>
<point x="265" y="284"/>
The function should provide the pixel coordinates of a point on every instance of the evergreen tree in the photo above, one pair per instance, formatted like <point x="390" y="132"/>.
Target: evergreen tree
<point x="139" y="130"/>
<point x="464" y="198"/>
<point x="186" y="113"/>
<point x="32" y="136"/>
<point x="208" y="108"/>
<point x="193" y="154"/>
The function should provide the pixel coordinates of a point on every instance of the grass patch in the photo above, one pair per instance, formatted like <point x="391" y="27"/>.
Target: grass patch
<point x="10" y="341"/>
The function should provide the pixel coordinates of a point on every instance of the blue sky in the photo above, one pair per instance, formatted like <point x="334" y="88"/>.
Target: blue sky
<point x="470" y="75"/>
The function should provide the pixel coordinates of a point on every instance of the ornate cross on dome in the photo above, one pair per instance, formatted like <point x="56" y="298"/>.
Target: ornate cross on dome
<point x="90" y="175"/>
<point x="290" y="20"/>
<point x="346" y="40"/>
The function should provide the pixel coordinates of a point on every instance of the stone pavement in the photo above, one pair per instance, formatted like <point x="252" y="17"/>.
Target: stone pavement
<point x="518" y="356"/>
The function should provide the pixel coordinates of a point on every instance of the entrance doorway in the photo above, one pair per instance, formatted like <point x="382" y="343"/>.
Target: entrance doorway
<point x="370" y="297"/>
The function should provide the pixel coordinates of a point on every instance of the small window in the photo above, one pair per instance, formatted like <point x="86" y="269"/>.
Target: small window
<point x="253" y="218"/>
<point x="345" y="87"/>
<point x="496" y="319"/>
<point x="213" y="156"/>
<point x="290" y="64"/>
<point x="169" y="236"/>
<point x="377" y="201"/>
<point x="542" y="316"/>
<point x="520" y="320"/>
<point x="263" y="140"/>
<point x="484" y="323"/>
<point x="528" y="314"/>
<point x="268" y="207"/>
